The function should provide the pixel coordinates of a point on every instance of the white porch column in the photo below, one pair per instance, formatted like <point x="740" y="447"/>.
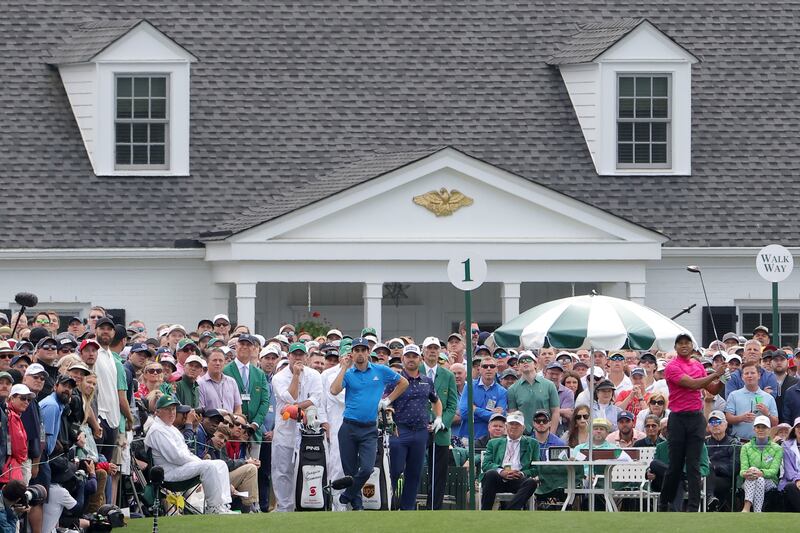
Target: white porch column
<point x="509" y="297"/>
<point x="246" y="304"/>
<point x="636" y="292"/>
<point x="220" y="294"/>
<point x="373" y="296"/>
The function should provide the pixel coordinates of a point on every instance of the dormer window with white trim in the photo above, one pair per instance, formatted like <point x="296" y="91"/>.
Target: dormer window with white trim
<point x="128" y="86"/>
<point x="141" y="122"/>
<point x="630" y="85"/>
<point x="643" y="120"/>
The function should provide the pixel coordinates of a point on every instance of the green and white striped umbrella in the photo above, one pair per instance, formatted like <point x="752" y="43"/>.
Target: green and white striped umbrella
<point x="592" y="321"/>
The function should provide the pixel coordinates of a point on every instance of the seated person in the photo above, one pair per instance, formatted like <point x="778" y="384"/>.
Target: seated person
<point x="790" y="480"/>
<point x="552" y="479"/>
<point x="761" y="464"/>
<point x="724" y="460"/>
<point x="660" y="466"/>
<point x="212" y="418"/>
<point x="497" y="428"/>
<point x="600" y="430"/>
<point x="625" y="435"/>
<point x="652" y="433"/>
<point x="243" y="472"/>
<point x="507" y="466"/>
<point x="179" y="463"/>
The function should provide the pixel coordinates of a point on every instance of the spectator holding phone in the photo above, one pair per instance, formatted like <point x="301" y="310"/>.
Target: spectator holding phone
<point x="749" y="402"/>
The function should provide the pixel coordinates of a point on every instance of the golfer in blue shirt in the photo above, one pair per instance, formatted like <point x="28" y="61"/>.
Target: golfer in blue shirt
<point x="363" y="383"/>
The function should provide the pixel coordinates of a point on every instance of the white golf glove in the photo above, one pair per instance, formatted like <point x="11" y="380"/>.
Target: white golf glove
<point x="437" y="425"/>
<point x="385" y="403"/>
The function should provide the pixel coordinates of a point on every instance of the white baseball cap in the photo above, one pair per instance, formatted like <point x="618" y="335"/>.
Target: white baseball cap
<point x="760" y="420"/>
<point x="35" y="369"/>
<point x="270" y="349"/>
<point x="412" y="348"/>
<point x="517" y="417"/>
<point x="221" y="317"/>
<point x="195" y="359"/>
<point x="21" y="390"/>
<point x="431" y="340"/>
<point x="733" y="356"/>
<point x="334" y="332"/>
<point x="176" y="327"/>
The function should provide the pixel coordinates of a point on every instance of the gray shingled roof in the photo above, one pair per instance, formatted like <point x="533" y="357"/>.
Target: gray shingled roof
<point x="88" y="39"/>
<point x="287" y="92"/>
<point x="591" y="40"/>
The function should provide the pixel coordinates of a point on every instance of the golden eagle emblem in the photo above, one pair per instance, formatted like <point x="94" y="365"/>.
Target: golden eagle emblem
<point x="443" y="203"/>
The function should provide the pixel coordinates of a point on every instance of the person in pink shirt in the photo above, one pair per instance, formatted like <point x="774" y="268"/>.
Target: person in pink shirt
<point x="686" y="378"/>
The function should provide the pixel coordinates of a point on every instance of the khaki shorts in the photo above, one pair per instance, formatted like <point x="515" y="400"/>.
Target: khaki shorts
<point x="118" y="457"/>
<point x="27" y="469"/>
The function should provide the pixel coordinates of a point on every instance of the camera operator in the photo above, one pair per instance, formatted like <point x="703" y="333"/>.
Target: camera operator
<point x="13" y="504"/>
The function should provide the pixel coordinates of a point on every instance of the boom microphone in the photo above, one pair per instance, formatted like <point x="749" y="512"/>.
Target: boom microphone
<point x="23" y="299"/>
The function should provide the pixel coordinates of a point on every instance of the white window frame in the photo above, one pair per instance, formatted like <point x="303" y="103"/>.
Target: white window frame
<point x="634" y="120"/>
<point x="165" y="121"/>
<point x="759" y="309"/>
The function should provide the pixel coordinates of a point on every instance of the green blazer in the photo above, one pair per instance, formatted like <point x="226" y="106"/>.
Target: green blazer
<point x="496" y="450"/>
<point x="256" y="409"/>
<point x="445" y="385"/>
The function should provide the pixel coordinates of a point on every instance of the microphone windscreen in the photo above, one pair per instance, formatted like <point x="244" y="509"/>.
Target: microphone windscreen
<point x="26" y="299"/>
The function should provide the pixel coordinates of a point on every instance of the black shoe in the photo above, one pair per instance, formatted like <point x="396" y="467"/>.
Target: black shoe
<point x="712" y="505"/>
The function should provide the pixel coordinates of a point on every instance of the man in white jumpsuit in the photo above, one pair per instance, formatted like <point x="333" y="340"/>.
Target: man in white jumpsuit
<point x="296" y="384"/>
<point x="332" y="414"/>
<point x="171" y="453"/>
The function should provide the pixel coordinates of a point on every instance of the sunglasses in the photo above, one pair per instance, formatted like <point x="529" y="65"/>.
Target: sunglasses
<point x="5" y="356"/>
<point x="96" y="317"/>
<point x="24" y="399"/>
<point x="541" y="421"/>
<point x="48" y="347"/>
<point x="500" y="355"/>
<point x="395" y="346"/>
<point x="220" y="324"/>
<point x="155" y="370"/>
<point x="616" y="358"/>
<point x="42" y="321"/>
<point x="140" y="329"/>
<point x="582" y="417"/>
<point x="476" y="332"/>
<point x="488" y="366"/>
<point x="38" y="377"/>
<point x="656" y="402"/>
<point x="289" y="333"/>
<point x="512" y="363"/>
<point x="715" y="422"/>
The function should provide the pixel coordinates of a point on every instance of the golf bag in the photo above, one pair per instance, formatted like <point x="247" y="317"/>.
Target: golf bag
<point x="310" y="472"/>
<point x="376" y="493"/>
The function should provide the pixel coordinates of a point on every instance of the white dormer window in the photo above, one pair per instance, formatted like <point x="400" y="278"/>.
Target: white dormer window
<point x="643" y="121"/>
<point x="141" y="124"/>
<point x="630" y="86"/>
<point x="128" y="86"/>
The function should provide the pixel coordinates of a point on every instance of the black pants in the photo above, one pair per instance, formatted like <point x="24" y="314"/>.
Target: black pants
<point x="686" y="437"/>
<point x="660" y="469"/>
<point x="719" y="486"/>
<point x="492" y="483"/>
<point x="263" y="475"/>
<point x="440" y="463"/>
<point x="792" y="494"/>
<point x="107" y="445"/>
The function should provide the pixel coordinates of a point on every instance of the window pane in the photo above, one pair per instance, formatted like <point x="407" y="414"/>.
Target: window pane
<point x="659" y="131"/>
<point x="659" y="108"/>
<point x="642" y="132"/>
<point x="123" y="154"/>
<point x="750" y="321"/>
<point x="788" y="340"/>
<point x="626" y="86"/>
<point x="123" y="86"/>
<point x="642" y="108"/>
<point x="158" y="86"/>
<point x="139" y="154"/>
<point x="158" y="108"/>
<point x="643" y="86"/>
<point x="626" y="108"/>
<point x="140" y="108"/>
<point x="624" y="131"/>
<point x="660" y="86"/>
<point x="140" y="133"/>
<point x="659" y="153"/>
<point x="625" y="153"/>
<point x="157" y="154"/>
<point x="123" y="133"/>
<point x="642" y="153"/>
<point x="156" y="133"/>
<point x="123" y="108"/>
<point x="789" y="323"/>
<point x="141" y="87"/>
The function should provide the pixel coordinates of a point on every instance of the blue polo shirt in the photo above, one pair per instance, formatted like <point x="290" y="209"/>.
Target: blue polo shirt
<point x="364" y="390"/>
<point x="411" y="407"/>
<point x="485" y="400"/>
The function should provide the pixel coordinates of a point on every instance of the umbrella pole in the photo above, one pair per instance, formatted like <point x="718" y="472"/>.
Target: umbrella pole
<point x="591" y="421"/>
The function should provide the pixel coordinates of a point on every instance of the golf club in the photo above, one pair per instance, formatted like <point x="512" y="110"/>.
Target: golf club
<point x="696" y="270"/>
<point x="24" y="300"/>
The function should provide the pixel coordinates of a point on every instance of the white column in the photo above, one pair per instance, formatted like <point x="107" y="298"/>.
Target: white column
<point x="636" y="292"/>
<point x="509" y="298"/>
<point x="246" y="305"/>
<point x="373" y="296"/>
<point x="220" y="294"/>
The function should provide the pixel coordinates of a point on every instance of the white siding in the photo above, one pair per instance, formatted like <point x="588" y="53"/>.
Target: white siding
<point x="582" y="82"/>
<point x="80" y="84"/>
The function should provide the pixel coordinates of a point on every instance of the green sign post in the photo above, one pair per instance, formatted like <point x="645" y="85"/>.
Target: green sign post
<point x="774" y="263"/>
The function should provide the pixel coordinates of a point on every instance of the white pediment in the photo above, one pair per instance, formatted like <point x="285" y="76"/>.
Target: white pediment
<point x="648" y="44"/>
<point x="507" y="209"/>
<point x="144" y="43"/>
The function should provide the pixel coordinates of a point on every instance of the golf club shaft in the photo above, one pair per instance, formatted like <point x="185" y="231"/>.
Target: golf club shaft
<point x="708" y="307"/>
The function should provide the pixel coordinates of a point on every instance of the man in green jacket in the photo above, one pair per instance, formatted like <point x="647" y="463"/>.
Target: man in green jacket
<point x="253" y="387"/>
<point x="186" y="389"/>
<point x="444" y="382"/>
<point x="507" y="466"/>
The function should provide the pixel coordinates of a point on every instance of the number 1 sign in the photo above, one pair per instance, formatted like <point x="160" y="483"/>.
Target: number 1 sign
<point x="467" y="272"/>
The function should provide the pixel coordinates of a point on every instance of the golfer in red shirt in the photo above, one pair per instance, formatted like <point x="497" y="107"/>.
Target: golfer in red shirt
<point x="686" y="378"/>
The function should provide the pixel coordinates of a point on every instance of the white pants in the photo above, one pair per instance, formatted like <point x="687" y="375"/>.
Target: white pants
<point x="213" y="475"/>
<point x="335" y="471"/>
<point x="754" y="490"/>
<point x="283" y="482"/>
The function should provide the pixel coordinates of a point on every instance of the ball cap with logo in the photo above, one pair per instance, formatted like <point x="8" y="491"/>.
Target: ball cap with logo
<point x="515" y="417"/>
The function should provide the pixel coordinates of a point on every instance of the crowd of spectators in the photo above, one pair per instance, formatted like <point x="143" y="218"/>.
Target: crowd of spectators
<point x="86" y="408"/>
